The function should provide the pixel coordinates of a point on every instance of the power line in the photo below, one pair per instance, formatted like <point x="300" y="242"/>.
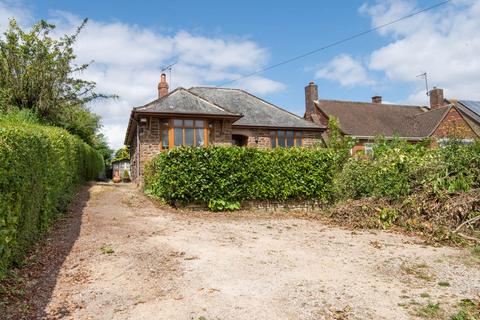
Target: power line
<point x="357" y="35"/>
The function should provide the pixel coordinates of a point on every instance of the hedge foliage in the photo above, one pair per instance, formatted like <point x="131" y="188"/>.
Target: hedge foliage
<point x="225" y="176"/>
<point x="40" y="169"/>
<point x="397" y="169"/>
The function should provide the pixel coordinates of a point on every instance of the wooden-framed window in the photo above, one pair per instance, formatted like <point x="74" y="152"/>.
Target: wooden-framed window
<point x="183" y="132"/>
<point x="286" y="138"/>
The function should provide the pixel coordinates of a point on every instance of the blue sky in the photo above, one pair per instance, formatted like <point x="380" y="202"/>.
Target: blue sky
<point x="215" y="41"/>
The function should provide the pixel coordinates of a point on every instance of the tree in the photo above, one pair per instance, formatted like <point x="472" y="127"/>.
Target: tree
<point x="101" y="145"/>
<point x="122" y="154"/>
<point x="37" y="72"/>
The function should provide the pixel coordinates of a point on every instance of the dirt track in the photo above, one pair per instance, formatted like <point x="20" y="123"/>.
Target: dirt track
<point x="130" y="259"/>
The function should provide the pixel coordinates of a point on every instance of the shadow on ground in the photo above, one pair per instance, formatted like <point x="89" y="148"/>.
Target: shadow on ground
<point x="29" y="289"/>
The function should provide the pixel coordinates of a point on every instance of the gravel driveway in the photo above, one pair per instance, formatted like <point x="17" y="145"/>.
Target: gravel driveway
<point x="132" y="259"/>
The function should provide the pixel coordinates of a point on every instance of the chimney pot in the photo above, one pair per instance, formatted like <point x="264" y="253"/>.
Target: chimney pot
<point x="163" y="86"/>
<point x="377" y="99"/>
<point x="311" y="95"/>
<point x="436" y="98"/>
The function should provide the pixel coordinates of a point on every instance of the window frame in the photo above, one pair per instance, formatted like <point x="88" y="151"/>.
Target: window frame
<point x="297" y="138"/>
<point x="170" y="127"/>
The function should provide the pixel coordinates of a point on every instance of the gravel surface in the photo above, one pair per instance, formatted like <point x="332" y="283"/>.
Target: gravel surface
<point x="128" y="258"/>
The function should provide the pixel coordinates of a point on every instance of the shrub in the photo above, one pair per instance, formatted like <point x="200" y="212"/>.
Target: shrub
<point x="126" y="176"/>
<point x="226" y="176"/>
<point x="40" y="169"/>
<point x="397" y="169"/>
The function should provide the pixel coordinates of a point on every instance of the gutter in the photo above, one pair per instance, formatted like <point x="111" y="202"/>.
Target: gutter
<point x="388" y="138"/>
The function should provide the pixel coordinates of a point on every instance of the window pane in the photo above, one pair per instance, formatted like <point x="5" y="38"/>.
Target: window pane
<point x="200" y="138"/>
<point x="188" y="123"/>
<point x="178" y="136"/>
<point x="290" y="140"/>
<point x="281" y="138"/>
<point x="164" y="138"/>
<point x="273" y="138"/>
<point x="163" y="122"/>
<point x="178" y="123"/>
<point x="189" y="136"/>
<point x="199" y="123"/>
<point x="298" y="139"/>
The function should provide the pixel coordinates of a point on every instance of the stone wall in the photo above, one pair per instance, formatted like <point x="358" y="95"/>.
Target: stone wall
<point x="221" y="133"/>
<point x="261" y="138"/>
<point x="266" y="205"/>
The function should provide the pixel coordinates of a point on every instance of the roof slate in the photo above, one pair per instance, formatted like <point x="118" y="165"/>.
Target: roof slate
<point x="256" y="112"/>
<point x="183" y="101"/>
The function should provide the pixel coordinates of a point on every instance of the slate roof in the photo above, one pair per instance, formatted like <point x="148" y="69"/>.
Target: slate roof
<point x="183" y="101"/>
<point x="255" y="111"/>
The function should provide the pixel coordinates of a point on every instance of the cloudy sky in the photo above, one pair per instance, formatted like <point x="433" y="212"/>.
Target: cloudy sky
<point x="217" y="41"/>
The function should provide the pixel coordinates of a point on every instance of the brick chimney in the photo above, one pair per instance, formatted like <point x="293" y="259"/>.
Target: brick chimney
<point x="436" y="98"/>
<point x="162" y="86"/>
<point x="377" y="99"/>
<point x="311" y="94"/>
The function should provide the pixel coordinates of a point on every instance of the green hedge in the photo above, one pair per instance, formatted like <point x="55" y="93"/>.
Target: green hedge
<point x="40" y="169"/>
<point x="223" y="177"/>
<point x="398" y="169"/>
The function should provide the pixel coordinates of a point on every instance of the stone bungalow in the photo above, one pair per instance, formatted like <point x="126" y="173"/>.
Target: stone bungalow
<point x="203" y="116"/>
<point x="443" y="119"/>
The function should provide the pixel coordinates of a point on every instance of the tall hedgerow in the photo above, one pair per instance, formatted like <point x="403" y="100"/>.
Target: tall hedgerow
<point x="40" y="169"/>
<point x="225" y="176"/>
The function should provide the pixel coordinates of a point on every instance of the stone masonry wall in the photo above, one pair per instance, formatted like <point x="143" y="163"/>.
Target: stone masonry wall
<point x="260" y="138"/>
<point x="221" y="133"/>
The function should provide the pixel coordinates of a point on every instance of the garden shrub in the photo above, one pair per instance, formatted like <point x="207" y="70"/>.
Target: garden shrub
<point x="397" y="169"/>
<point x="40" y="169"/>
<point x="223" y="177"/>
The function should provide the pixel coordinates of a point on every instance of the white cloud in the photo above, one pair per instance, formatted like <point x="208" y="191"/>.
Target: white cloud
<point x="11" y="9"/>
<point x="128" y="60"/>
<point x="445" y="43"/>
<point x="345" y="70"/>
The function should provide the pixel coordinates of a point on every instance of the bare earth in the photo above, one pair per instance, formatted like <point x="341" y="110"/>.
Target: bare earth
<point x="133" y="259"/>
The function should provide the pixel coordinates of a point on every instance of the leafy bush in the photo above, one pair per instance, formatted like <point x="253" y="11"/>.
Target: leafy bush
<point x="226" y="176"/>
<point x="40" y="169"/>
<point x="397" y="169"/>
<point x="126" y="176"/>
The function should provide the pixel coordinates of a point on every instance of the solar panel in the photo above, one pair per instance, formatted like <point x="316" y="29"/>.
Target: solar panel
<point x="472" y="105"/>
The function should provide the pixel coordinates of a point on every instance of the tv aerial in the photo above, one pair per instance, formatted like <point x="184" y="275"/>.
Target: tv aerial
<point x="425" y="76"/>
<point x="169" y="69"/>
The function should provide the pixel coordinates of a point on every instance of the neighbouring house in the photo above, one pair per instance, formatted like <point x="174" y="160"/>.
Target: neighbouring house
<point x="121" y="166"/>
<point x="443" y="119"/>
<point x="202" y="116"/>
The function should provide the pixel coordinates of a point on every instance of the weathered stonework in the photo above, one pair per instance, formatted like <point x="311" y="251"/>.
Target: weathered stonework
<point x="221" y="133"/>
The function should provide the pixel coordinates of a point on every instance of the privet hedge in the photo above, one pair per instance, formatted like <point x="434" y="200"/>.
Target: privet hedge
<point x="40" y="168"/>
<point x="223" y="177"/>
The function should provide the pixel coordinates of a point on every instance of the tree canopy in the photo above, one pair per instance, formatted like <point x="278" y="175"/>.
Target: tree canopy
<point x="38" y="73"/>
<point x="122" y="154"/>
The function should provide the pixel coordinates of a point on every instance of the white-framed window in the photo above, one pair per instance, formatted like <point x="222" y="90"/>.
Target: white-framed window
<point x="443" y="142"/>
